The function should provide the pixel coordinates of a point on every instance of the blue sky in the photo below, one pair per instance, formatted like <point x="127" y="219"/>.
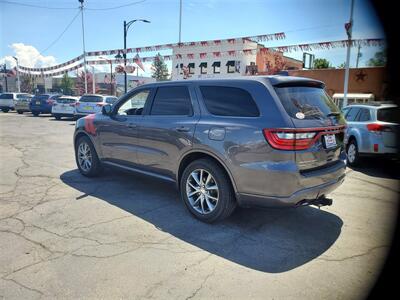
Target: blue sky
<point x="303" y="21"/>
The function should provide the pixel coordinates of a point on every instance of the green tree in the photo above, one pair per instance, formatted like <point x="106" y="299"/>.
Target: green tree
<point x="378" y="60"/>
<point x="66" y="84"/>
<point x="321" y="63"/>
<point x="342" y="66"/>
<point x="159" y="68"/>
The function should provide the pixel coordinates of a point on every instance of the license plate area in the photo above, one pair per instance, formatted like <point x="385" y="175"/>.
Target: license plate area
<point x="330" y="141"/>
<point x="37" y="102"/>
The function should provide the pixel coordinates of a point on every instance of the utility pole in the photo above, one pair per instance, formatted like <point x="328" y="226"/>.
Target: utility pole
<point x="83" y="42"/>
<point x="349" y="28"/>
<point x="180" y="21"/>
<point x="359" y="54"/>
<point x="18" y="82"/>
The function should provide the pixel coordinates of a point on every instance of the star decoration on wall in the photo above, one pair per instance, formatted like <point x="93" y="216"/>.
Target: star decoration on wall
<point x="361" y="76"/>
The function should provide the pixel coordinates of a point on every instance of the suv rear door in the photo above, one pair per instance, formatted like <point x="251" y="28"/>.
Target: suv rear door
<point x="388" y="117"/>
<point x="317" y="122"/>
<point x="167" y="130"/>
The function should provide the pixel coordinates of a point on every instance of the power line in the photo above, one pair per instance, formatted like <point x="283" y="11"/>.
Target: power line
<point x="34" y="5"/>
<point x="116" y="7"/>
<point x="61" y="8"/>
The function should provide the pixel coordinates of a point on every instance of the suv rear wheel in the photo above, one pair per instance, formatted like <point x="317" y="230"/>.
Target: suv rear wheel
<point x="352" y="153"/>
<point x="206" y="191"/>
<point x="86" y="157"/>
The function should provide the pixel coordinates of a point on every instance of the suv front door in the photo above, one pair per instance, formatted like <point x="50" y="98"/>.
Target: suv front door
<point x="119" y="132"/>
<point x="167" y="130"/>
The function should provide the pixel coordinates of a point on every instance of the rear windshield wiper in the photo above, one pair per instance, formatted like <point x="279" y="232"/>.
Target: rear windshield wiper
<point x="336" y="113"/>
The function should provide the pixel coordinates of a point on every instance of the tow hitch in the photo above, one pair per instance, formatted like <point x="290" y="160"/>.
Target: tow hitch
<point x="321" y="201"/>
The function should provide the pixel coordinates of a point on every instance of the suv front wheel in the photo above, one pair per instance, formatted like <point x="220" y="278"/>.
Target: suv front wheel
<point x="206" y="191"/>
<point x="86" y="157"/>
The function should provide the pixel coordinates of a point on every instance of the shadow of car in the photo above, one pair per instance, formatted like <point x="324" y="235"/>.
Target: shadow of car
<point x="273" y="240"/>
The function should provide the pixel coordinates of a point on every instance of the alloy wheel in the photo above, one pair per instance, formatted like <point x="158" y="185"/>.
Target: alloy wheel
<point x="84" y="157"/>
<point x="202" y="191"/>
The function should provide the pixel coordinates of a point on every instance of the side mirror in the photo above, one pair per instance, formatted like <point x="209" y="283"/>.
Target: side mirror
<point x="106" y="110"/>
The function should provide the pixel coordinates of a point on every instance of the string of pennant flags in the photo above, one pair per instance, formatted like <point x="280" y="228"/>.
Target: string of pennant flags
<point x="257" y="38"/>
<point x="213" y="54"/>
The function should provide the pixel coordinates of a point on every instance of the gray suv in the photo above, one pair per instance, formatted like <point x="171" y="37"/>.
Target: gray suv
<point x="256" y="141"/>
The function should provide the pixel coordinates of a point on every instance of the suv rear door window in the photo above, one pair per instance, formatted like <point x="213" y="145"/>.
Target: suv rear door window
<point x="364" y="115"/>
<point x="229" y="101"/>
<point x="307" y="103"/>
<point x="172" y="100"/>
<point x="91" y="98"/>
<point x="352" y="114"/>
<point x="390" y="114"/>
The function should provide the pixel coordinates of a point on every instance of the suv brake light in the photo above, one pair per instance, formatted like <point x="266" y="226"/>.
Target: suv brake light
<point x="378" y="127"/>
<point x="297" y="138"/>
<point x="100" y="104"/>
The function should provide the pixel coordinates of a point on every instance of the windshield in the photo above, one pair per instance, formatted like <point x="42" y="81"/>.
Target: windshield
<point x="390" y="114"/>
<point x="307" y="102"/>
<point x="6" y="96"/>
<point x="91" y="98"/>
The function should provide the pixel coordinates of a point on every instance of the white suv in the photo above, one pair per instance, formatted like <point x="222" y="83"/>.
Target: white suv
<point x="92" y="104"/>
<point x="7" y="100"/>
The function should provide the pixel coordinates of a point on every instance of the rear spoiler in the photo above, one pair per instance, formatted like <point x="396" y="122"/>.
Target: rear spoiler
<point x="291" y="81"/>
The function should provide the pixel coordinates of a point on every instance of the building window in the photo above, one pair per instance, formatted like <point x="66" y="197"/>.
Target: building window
<point x="217" y="67"/>
<point x="230" y="66"/>
<point x="203" y="68"/>
<point x="191" y="68"/>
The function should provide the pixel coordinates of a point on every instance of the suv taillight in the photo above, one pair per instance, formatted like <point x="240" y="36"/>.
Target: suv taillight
<point x="378" y="127"/>
<point x="297" y="138"/>
<point x="50" y="102"/>
<point x="100" y="104"/>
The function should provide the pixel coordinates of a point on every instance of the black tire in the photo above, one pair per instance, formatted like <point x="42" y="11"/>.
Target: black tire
<point x="35" y="113"/>
<point x="5" y="110"/>
<point x="20" y="112"/>
<point x="57" y="117"/>
<point x="96" y="167"/>
<point x="354" y="159"/>
<point x="226" y="200"/>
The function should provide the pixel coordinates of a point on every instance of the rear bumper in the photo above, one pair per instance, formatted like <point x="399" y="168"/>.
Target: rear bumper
<point x="80" y="114"/>
<point x="6" y="107"/>
<point x="64" y="114"/>
<point x="43" y="110"/>
<point x="291" y="187"/>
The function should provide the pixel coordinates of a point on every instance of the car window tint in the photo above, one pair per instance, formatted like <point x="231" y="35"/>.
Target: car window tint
<point x="111" y="100"/>
<point x="229" y="101"/>
<point x="390" y="114"/>
<point x="364" y="115"/>
<point x="135" y="104"/>
<point x="172" y="100"/>
<point x="91" y="98"/>
<point x="6" y="96"/>
<point x="352" y="114"/>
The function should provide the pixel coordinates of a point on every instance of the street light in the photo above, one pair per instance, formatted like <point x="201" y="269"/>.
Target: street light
<point x="126" y="27"/>
<point x="111" y="82"/>
<point x="19" y="84"/>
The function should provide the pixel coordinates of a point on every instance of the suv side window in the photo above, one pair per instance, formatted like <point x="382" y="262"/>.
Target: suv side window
<point x="172" y="100"/>
<point x="352" y="114"/>
<point x="229" y="101"/>
<point x="364" y="115"/>
<point x="134" y="105"/>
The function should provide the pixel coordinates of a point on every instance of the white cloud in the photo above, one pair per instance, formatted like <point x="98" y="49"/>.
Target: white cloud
<point x="28" y="56"/>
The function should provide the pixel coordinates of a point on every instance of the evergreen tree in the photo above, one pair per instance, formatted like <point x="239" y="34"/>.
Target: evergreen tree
<point x="66" y="84"/>
<point x="159" y="68"/>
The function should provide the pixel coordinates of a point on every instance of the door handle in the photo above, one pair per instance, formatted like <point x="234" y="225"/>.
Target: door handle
<point x="132" y="125"/>
<point x="182" y="129"/>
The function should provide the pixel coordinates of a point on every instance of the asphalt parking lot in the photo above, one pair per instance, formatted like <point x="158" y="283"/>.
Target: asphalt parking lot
<point x="126" y="236"/>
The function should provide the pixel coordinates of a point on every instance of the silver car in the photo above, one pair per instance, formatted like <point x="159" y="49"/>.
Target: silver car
<point x="371" y="131"/>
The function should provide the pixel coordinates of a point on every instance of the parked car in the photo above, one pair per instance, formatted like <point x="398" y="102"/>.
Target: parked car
<point x="92" y="104"/>
<point x="42" y="104"/>
<point x="22" y="103"/>
<point x="256" y="141"/>
<point x="371" y="131"/>
<point x="64" y="107"/>
<point x="7" y="100"/>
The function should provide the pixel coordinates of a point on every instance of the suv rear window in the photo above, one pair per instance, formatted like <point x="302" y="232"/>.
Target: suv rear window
<point x="66" y="100"/>
<point x="91" y="98"/>
<point x="111" y="100"/>
<point x="390" y="114"/>
<point x="6" y="96"/>
<point x="229" y="101"/>
<point x="306" y="102"/>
